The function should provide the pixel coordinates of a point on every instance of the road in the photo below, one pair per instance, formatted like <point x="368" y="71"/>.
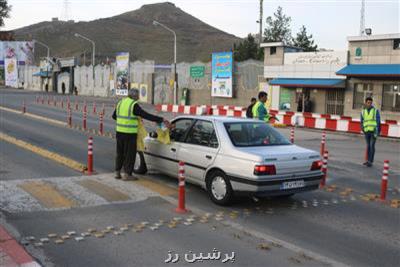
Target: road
<point x="40" y="196"/>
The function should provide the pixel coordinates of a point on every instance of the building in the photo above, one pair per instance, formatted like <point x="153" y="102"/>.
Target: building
<point x="304" y="81"/>
<point x="336" y="82"/>
<point x="373" y="70"/>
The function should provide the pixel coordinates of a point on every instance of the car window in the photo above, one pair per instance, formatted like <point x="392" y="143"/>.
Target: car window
<point x="180" y="128"/>
<point x="254" y="134"/>
<point x="203" y="134"/>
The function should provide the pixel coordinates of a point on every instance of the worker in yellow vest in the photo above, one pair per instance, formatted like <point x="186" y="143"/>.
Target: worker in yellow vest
<point x="260" y="110"/>
<point x="371" y="127"/>
<point x="127" y="114"/>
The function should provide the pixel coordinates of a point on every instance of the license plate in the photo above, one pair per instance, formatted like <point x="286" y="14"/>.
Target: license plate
<point x="292" y="184"/>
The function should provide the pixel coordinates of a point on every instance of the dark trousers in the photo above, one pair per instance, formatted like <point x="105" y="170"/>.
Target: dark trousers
<point x="370" y="139"/>
<point x="126" y="152"/>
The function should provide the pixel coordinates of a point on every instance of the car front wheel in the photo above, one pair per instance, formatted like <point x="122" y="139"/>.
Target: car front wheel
<point x="219" y="188"/>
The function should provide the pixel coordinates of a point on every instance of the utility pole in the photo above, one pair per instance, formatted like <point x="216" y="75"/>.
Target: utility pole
<point x="362" y="18"/>
<point x="261" y="19"/>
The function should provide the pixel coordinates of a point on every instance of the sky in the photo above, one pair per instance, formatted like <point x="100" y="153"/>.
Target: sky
<point x="330" y="21"/>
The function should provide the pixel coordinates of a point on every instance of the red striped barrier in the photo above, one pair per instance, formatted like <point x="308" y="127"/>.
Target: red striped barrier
<point x="292" y="135"/>
<point x="323" y="141"/>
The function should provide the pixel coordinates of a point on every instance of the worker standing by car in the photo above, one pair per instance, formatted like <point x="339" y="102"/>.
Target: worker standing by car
<point x="371" y="127"/>
<point x="260" y="110"/>
<point x="127" y="114"/>
<point x="249" y="111"/>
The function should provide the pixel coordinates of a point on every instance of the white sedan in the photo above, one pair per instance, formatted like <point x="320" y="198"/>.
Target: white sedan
<point x="230" y="156"/>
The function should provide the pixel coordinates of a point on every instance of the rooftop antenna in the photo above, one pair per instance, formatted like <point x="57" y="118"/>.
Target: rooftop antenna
<point x="65" y="10"/>
<point x="362" y="18"/>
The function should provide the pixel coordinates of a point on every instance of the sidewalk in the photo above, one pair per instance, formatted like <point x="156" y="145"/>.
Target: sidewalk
<point x="12" y="253"/>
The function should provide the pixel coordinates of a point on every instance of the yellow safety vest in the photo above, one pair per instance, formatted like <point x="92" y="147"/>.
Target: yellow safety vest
<point x="127" y="122"/>
<point x="255" y="111"/>
<point x="369" y="120"/>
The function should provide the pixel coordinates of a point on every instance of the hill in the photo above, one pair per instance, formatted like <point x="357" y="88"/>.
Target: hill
<point x="133" y="32"/>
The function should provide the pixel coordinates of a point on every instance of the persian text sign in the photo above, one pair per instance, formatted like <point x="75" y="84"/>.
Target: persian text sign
<point x="222" y="65"/>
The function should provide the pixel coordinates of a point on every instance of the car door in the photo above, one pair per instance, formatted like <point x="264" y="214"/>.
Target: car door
<point x="199" y="150"/>
<point x="164" y="156"/>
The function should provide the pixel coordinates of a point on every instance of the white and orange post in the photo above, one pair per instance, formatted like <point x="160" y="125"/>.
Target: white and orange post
<point x="384" y="183"/>
<point x="68" y="103"/>
<point x="292" y="135"/>
<point x="101" y="124"/>
<point x="94" y="107"/>
<point x="23" y="106"/>
<point x="62" y="103"/>
<point x="103" y="109"/>
<point x="323" y="141"/>
<point x="90" y="156"/>
<point x="84" y="106"/>
<point x="55" y="101"/>
<point x="69" y="118"/>
<point x="48" y="100"/>
<point x="84" y="120"/>
<point x="76" y="105"/>
<point x="42" y="100"/>
<point x="324" y="169"/>
<point x="181" y="196"/>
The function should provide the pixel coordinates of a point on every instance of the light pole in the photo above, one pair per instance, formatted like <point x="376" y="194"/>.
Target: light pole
<point x="93" y="52"/>
<point x="156" y="23"/>
<point x="47" y="60"/>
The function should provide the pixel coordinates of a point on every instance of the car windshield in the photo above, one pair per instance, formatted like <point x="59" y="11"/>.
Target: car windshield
<point x="245" y="134"/>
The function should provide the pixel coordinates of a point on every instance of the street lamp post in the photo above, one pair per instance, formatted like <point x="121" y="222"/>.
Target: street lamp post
<point x="156" y="23"/>
<point x="47" y="59"/>
<point x="93" y="52"/>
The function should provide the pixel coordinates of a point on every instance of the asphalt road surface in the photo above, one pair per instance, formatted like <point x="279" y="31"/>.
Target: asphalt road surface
<point x="340" y="225"/>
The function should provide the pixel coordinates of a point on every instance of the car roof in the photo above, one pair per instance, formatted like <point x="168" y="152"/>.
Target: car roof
<point x="215" y="118"/>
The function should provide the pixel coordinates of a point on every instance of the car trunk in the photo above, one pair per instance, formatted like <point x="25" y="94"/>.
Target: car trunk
<point x="286" y="158"/>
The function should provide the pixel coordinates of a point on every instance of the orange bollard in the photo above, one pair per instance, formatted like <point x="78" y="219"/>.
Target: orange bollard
<point x="324" y="169"/>
<point x="68" y="103"/>
<point x="76" y="105"/>
<point x="84" y="106"/>
<point x="181" y="198"/>
<point x="101" y="124"/>
<point x="94" y="107"/>
<point x="69" y="118"/>
<point x="62" y="103"/>
<point x="48" y="100"/>
<point x="90" y="156"/>
<point x="103" y="109"/>
<point x="23" y="106"/>
<point x="84" y="120"/>
<point x="384" y="182"/>
<point x="323" y="141"/>
<point x="55" y="101"/>
<point x="292" y="135"/>
<point x="42" y="100"/>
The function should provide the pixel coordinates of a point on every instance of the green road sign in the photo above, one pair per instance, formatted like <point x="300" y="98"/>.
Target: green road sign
<point x="197" y="71"/>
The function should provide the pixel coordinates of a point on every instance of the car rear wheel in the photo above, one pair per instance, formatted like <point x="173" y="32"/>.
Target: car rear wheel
<point x="140" y="164"/>
<point x="219" y="188"/>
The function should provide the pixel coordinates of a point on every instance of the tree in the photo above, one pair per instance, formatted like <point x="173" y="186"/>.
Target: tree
<point x="4" y="11"/>
<point x="278" y="28"/>
<point x="247" y="49"/>
<point x="304" y="41"/>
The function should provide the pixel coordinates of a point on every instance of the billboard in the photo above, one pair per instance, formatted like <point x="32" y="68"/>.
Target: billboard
<point x="122" y="77"/>
<point x="11" y="72"/>
<point x="23" y="51"/>
<point x="222" y="66"/>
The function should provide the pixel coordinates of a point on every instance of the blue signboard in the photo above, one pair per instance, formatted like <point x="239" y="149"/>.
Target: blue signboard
<point x="222" y="67"/>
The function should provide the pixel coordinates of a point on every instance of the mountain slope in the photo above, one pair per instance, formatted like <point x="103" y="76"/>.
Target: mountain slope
<point x="134" y="32"/>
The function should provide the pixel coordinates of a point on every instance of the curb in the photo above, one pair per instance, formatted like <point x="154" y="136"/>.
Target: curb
<point x="15" y="254"/>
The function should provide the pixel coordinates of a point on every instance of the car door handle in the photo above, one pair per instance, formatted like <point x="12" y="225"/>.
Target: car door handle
<point x="208" y="156"/>
<point x="173" y="149"/>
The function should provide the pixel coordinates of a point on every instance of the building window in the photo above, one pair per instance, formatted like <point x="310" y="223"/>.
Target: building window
<point x="361" y="91"/>
<point x="396" y="44"/>
<point x="272" y="50"/>
<point x="391" y="97"/>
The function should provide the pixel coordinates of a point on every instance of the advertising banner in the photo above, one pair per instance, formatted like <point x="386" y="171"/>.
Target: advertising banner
<point x="23" y="51"/>
<point x="122" y="69"/>
<point x="222" y="67"/>
<point x="11" y="72"/>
